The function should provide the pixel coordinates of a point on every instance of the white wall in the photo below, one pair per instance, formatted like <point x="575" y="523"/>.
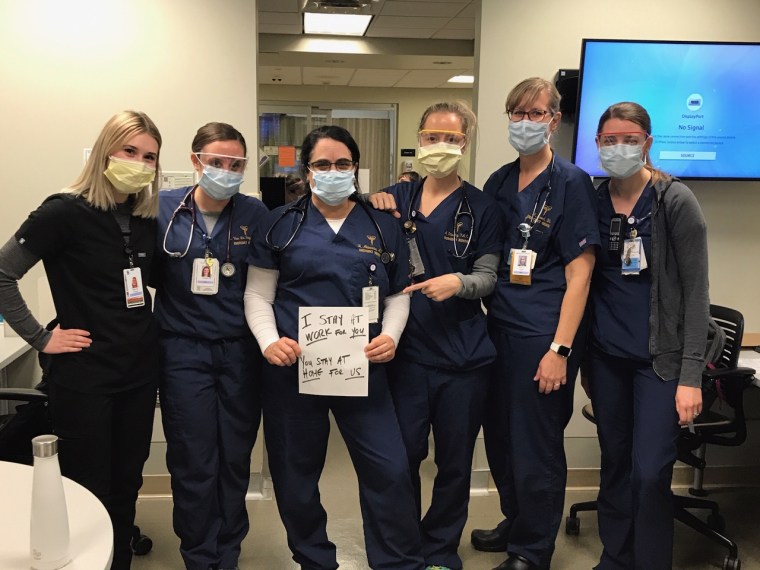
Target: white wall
<point x="67" y="66"/>
<point x="511" y="48"/>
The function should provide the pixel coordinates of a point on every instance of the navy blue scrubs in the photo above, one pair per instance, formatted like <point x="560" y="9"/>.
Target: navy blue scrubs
<point x="209" y="392"/>
<point x="440" y="374"/>
<point x="322" y="268"/>
<point x="633" y="407"/>
<point x="530" y="425"/>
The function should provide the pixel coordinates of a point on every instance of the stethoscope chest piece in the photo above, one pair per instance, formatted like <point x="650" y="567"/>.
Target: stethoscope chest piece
<point x="228" y="269"/>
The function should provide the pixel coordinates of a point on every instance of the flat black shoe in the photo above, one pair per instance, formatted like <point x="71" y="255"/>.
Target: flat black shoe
<point x="491" y="540"/>
<point x="515" y="562"/>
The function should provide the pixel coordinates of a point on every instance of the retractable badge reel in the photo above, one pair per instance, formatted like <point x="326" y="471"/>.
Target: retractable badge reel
<point x="371" y="296"/>
<point x="522" y="261"/>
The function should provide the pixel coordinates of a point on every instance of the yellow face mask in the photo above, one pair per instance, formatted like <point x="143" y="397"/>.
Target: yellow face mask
<point x="129" y="176"/>
<point x="440" y="159"/>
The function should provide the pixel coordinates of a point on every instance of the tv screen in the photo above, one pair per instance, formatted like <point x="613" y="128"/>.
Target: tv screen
<point x="702" y="98"/>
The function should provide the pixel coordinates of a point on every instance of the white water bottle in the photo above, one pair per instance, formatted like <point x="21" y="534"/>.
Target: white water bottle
<point x="50" y="520"/>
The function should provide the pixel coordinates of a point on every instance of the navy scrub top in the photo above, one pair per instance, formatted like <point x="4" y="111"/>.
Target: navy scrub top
<point x="620" y="323"/>
<point x="178" y="310"/>
<point x="566" y="226"/>
<point x="450" y="334"/>
<point x="323" y="269"/>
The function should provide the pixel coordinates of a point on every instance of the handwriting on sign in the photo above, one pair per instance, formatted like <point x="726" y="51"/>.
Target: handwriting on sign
<point x="332" y="341"/>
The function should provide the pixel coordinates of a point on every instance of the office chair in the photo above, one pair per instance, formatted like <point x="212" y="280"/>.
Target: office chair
<point x="723" y="382"/>
<point x="30" y="420"/>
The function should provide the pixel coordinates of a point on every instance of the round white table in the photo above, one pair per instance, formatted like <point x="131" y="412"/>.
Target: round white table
<point x="90" y="530"/>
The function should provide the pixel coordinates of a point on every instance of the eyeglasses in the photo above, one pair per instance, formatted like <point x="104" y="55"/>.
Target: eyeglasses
<point x="223" y="161"/>
<point x="342" y="165"/>
<point x="611" y="139"/>
<point x="432" y="137"/>
<point x="535" y="115"/>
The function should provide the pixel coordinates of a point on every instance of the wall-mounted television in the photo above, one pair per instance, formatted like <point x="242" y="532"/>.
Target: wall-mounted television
<point x="702" y="98"/>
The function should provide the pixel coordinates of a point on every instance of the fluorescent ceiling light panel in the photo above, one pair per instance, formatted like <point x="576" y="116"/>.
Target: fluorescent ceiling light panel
<point x="336" y="24"/>
<point x="462" y="79"/>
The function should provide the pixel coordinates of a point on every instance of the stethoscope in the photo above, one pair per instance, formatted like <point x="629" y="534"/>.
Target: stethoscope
<point x="526" y="228"/>
<point x="188" y="203"/>
<point x="300" y="208"/>
<point x="410" y="227"/>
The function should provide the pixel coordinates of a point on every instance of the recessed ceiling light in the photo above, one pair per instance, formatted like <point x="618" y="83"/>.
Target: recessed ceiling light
<point x="336" y="24"/>
<point x="462" y="79"/>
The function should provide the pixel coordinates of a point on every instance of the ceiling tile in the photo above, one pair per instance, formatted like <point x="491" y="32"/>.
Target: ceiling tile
<point x="421" y="33"/>
<point x="280" y="29"/>
<point x="279" y="75"/>
<point x="278" y="5"/>
<point x="426" y="78"/>
<point x="425" y="9"/>
<point x="279" y="18"/>
<point x="447" y="34"/>
<point x="377" y="77"/>
<point x="410" y="23"/>
<point x="327" y="75"/>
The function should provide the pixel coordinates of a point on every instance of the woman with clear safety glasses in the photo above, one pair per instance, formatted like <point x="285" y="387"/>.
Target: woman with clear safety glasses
<point x="96" y="240"/>
<point x="329" y="249"/>
<point x="439" y="378"/>
<point x="535" y="319"/>
<point x="650" y="310"/>
<point x="209" y="390"/>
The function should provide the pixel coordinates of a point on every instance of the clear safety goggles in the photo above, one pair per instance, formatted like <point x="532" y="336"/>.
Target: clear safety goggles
<point x="428" y="137"/>
<point x="223" y="161"/>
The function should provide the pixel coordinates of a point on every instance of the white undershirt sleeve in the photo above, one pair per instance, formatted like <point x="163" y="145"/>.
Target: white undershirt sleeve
<point x="260" y="289"/>
<point x="395" y="314"/>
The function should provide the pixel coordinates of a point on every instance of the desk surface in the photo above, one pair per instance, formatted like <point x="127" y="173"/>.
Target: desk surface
<point x="90" y="528"/>
<point x="11" y="347"/>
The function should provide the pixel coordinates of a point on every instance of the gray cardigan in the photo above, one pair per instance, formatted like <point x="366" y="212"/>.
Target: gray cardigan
<point x="679" y="300"/>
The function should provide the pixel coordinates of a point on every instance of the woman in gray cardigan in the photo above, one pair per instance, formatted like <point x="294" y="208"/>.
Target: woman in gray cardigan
<point x="650" y="307"/>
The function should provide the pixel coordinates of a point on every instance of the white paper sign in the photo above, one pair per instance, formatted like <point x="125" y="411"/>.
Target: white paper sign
<point x="332" y="341"/>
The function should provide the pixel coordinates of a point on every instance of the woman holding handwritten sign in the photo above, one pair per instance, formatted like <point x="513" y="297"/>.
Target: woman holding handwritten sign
<point x="329" y="250"/>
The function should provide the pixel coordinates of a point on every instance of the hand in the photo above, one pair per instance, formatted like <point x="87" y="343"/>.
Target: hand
<point x="688" y="403"/>
<point x="284" y="352"/>
<point x="381" y="349"/>
<point x="67" y="340"/>
<point x="384" y="201"/>
<point x="438" y="288"/>
<point x="551" y="373"/>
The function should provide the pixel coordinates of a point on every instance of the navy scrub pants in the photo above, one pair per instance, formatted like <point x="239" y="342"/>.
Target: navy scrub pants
<point x="638" y="431"/>
<point x="211" y="412"/>
<point x="296" y="428"/>
<point x="105" y="441"/>
<point x="534" y="489"/>
<point x="451" y="402"/>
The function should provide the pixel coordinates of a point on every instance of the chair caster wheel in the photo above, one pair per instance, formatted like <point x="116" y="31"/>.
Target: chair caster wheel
<point x="140" y="543"/>
<point x="716" y="522"/>
<point x="730" y="563"/>
<point x="572" y="526"/>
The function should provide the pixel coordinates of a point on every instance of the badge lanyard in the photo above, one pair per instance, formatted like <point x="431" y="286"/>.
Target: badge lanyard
<point x="134" y="294"/>
<point x="522" y="261"/>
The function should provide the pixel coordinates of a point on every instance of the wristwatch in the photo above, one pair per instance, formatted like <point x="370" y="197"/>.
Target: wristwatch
<point x="561" y="349"/>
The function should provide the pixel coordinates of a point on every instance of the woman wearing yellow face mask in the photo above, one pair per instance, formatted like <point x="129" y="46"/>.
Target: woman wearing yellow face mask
<point x="97" y="240"/>
<point x="439" y="377"/>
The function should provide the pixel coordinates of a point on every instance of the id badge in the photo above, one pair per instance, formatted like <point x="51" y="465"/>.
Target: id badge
<point x="521" y="262"/>
<point x="418" y="268"/>
<point x="371" y="300"/>
<point x="205" y="280"/>
<point x="133" y="288"/>
<point x="631" y="257"/>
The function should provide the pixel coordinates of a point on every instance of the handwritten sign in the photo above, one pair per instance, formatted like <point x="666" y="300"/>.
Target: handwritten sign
<point x="332" y="341"/>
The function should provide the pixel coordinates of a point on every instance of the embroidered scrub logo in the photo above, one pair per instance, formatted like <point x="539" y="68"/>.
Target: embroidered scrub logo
<point x="245" y="239"/>
<point x="542" y="218"/>
<point x="462" y="237"/>
<point x="369" y="248"/>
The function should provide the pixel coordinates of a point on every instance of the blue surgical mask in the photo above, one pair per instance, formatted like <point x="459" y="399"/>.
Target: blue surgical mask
<point x="621" y="160"/>
<point x="220" y="184"/>
<point x="528" y="137"/>
<point x="333" y="187"/>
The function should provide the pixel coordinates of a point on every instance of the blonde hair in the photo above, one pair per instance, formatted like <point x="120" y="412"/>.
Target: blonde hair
<point x="635" y="113"/>
<point x="531" y="89"/>
<point x="94" y="187"/>
<point x="459" y="108"/>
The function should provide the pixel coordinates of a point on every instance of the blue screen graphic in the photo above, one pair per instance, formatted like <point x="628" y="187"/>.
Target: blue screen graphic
<point x="702" y="98"/>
